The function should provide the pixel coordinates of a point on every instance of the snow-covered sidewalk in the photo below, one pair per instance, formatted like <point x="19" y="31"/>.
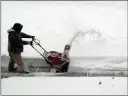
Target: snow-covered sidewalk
<point x="64" y="86"/>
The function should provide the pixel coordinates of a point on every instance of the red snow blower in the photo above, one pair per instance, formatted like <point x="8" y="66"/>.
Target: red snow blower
<point x="59" y="62"/>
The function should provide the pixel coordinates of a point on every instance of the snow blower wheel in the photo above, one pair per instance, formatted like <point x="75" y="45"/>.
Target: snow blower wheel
<point x="53" y="70"/>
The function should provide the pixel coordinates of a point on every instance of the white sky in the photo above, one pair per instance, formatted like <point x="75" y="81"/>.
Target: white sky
<point x="55" y="22"/>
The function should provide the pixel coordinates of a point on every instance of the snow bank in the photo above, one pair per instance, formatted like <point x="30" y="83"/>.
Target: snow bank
<point x="64" y="86"/>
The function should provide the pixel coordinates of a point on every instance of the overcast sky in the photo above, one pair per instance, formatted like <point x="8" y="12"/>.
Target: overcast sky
<point x="55" y="22"/>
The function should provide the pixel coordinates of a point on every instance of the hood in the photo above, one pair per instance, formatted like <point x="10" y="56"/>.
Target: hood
<point x="11" y="30"/>
<point x="17" y="27"/>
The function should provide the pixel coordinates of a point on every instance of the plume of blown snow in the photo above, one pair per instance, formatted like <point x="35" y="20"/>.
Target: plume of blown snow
<point x="95" y="43"/>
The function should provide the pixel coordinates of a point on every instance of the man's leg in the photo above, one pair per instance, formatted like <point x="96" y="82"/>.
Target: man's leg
<point x="18" y="59"/>
<point x="11" y="64"/>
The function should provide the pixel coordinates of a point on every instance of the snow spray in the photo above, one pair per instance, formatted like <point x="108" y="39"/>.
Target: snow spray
<point x="93" y="34"/>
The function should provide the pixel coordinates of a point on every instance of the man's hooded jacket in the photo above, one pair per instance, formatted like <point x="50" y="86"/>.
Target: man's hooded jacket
<point x="15" y="42"/>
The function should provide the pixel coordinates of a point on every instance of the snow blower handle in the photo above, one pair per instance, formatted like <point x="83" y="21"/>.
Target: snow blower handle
<point x="35" y="41"/>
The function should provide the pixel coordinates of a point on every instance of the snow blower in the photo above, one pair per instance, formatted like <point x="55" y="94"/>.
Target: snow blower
<point x="59" y="62"/>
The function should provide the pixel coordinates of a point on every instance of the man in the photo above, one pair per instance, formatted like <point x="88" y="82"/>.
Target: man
<point x="15" y="47"/>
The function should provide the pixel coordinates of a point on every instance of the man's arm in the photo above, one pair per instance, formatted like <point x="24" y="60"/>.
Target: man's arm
<point x="26" y="35"/>
<point x="26" y="42"/>
<point x="18" y="41"/>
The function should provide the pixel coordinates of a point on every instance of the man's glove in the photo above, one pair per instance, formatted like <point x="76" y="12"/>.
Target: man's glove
<point x="30" y="42"/>
<point x="33" y="37"/>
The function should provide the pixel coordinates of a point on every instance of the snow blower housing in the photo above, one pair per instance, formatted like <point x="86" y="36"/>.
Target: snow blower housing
<point x="59" y="61"/>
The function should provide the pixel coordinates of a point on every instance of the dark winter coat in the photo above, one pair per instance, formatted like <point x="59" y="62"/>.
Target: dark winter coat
<point x="15" y="42"/>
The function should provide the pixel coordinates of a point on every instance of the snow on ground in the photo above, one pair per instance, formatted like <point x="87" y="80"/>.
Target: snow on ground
<point x="64" y="86"/>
